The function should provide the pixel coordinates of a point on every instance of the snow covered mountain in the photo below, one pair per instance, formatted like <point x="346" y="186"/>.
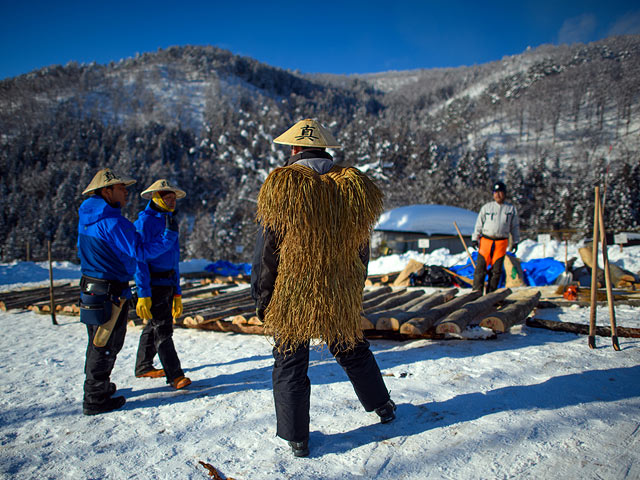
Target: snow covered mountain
<point x="549" y="121"/>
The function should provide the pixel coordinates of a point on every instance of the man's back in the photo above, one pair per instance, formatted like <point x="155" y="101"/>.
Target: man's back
<point x="322" y="222"/>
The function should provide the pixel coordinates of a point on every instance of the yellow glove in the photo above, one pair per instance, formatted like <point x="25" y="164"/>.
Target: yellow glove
<point x="143" y="308"/>
<point x="176" y="309"/>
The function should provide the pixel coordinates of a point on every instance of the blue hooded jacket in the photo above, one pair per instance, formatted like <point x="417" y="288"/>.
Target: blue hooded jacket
<point x="150" y="225"/>
<point x="108" y="244"/>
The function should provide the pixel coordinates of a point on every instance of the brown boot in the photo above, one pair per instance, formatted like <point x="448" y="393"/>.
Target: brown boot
<point x="180" y="382"/>
<point x="153" y="373"/>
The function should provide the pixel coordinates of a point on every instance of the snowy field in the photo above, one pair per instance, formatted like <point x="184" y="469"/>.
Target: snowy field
<point x="531" y="404"/>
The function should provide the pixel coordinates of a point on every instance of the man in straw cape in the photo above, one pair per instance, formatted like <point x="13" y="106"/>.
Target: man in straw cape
<point x="108" y="246"/>
<point x="308" y="273"/>
<point x="158" y="284"/>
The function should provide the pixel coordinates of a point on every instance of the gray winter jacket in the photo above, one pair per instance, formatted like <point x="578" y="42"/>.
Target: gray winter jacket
<point x="497" y="222"/>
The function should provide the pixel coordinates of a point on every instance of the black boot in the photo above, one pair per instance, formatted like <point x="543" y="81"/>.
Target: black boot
<point x="300" y="449"/>
<point x="387" y="412"/>
<point x="108" y="405"/>
<point x="112" y="389"/>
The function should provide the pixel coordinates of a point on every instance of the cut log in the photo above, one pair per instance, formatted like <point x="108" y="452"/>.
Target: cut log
<point x="511" y="315"/>
<point x="237" y="319"/>
<point x="396" y="300"/>
<point x="382" y="278"/>
<point x="370" y="295"/>
<point x="580" y="328"/>
<point x="403" y="278"/>
<point x="221" y="326"/>
<point x="393" y="319"/>
<point x="210" y="316"/>
<point x="254" y="321"/>
<point x="420" y="325"/>
<point x="457" y="321"/>
<point x="366" y="323"/>
<point x="372" y="304"/>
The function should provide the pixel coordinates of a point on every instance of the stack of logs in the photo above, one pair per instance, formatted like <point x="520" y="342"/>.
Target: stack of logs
<point x="388" y="313"/>
<point x="66" y="297"/>
<point x="38" y="299"/>
<point x="395" y="313"/>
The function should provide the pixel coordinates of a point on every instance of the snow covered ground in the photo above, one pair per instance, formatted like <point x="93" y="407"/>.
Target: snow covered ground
<point x="531" y="404"/>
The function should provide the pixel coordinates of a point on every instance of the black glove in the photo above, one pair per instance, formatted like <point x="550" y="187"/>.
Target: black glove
<point x="172" y="222"/>
<point x="514" y="247"/>
<point x="474" y="244"/>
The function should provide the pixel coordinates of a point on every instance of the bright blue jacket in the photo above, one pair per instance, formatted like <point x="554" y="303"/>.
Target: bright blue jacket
<point x="150" y="225"/>
<point x="108" y="244"/>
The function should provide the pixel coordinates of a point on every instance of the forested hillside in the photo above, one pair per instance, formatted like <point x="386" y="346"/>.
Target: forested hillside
<point x="551" y="122"/>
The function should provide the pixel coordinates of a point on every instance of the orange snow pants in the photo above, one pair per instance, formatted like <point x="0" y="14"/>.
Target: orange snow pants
<point x="492" y="250"/>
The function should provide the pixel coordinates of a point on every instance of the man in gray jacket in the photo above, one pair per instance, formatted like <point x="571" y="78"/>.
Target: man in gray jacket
<point x="495" y="222"/>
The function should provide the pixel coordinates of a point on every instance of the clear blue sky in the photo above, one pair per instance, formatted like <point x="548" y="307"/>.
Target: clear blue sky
<point x="309" y="35"/>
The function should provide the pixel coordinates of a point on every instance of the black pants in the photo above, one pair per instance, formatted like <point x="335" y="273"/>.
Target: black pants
<point x="157" y="336"/>
<point x="494" y="274"/>
<point x="292" y="388"/>
<point x="99" y="361"/>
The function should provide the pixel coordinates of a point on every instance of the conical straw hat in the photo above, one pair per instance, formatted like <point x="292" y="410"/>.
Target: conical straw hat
<point x="162" y="186"/>
<point x="308" y="133"/>
<point x="105" y="178"/>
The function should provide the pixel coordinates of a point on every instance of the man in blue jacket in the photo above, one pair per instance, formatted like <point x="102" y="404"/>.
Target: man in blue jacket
<point x="108" y="246"/>
<point x="158" y="284"/>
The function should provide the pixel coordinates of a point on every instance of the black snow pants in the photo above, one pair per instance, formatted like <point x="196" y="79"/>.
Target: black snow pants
<point x="292" y="388"/>
<point x="157" y="336"/>
<point x="494" y="274"/>
<point x="99" y="361"/>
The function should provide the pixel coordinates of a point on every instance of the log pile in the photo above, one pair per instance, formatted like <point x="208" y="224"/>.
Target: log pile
<point x="388" y="312"/>
<point x="67" y="296"/>
<point x="398" y="313"/>
<point x="37" y="298"/>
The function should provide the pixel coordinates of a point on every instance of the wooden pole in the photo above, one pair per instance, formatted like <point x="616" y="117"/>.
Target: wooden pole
<point x="53" y="305"/>
<point x="594" y="272"/>
<point x="607" y="278"/>
<point x="464" y="245"/>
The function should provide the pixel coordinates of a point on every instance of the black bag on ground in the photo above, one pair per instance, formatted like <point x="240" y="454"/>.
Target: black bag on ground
<point x="431" y="276"/>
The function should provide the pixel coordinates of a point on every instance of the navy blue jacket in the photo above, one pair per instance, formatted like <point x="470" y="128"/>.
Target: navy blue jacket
<point x="150" y="225"/>
<point x="108" y="244"/>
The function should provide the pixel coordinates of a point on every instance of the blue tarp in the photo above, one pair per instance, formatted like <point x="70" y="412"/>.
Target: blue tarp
<point x="228" y="269"/>
<point x="542" y="271"/>
<point x="537" y="272"/>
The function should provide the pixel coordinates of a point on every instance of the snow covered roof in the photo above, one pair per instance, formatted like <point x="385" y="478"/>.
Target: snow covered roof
<point x="427" y="219"/>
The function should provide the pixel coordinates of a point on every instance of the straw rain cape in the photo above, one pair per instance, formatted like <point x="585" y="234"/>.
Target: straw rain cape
<point x="322" y="222"/>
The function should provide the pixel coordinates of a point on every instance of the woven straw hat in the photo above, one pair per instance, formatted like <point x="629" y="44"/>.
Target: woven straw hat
<point x="162" y="185"/>
<point x="308" y="133"/>
<point x="105" y="178"/>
